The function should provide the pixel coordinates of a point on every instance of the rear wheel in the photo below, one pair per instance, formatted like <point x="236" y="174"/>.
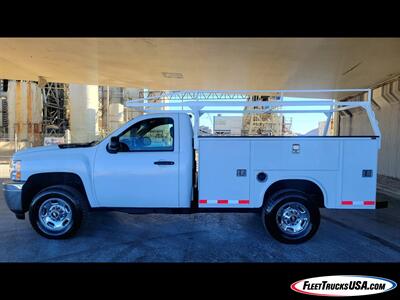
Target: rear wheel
<point x="57" y="212"/>
<point x="291" y="217"/>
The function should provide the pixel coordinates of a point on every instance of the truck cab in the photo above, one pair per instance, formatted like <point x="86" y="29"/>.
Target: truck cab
<point x="150" y="165"/>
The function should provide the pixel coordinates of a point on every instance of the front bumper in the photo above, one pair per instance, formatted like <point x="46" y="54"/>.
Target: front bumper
<point x="13" y="195"/>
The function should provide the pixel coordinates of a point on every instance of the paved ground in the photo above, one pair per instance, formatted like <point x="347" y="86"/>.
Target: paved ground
<point x="344" y="236"/>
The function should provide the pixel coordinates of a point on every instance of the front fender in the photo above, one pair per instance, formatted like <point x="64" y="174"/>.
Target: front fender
<point x="78" y="161"/>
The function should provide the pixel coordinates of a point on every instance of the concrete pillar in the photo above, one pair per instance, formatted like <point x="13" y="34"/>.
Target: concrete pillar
<point x="84" y="106"/>
<point x="106" y="105"/>
<point x="116" y="109"/>
<point x="25" y="108"/>
<point x="36" y="114"/>
<point x="22" y="112"/>
<point x="116" y="115"/>
<point x="11" y="103"/>
<point x="130" y="112"/>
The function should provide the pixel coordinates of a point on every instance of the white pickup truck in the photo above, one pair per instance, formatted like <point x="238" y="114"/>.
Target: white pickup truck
<point x="149" y="165"/>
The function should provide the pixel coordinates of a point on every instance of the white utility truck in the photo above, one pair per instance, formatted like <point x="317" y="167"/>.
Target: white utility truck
<point x="158" y="163"/>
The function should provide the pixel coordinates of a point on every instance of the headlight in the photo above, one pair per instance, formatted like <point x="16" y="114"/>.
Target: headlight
<point x="15" y="170"/>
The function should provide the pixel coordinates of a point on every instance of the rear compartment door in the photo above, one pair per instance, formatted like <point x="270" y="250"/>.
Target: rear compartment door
<point x="359" y="173"/>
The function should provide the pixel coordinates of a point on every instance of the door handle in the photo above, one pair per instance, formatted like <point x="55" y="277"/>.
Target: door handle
<point x="164" y="162"/>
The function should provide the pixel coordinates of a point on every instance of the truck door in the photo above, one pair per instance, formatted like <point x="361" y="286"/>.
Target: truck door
<point x="144" y="172"/>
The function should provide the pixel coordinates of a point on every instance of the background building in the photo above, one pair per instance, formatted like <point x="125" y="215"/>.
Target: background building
<point x="227" y="125"/>
<point x="264" y="124"/>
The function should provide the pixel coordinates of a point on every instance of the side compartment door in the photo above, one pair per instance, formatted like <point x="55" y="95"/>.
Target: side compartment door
<point x="144" y="172"/>
<point x="224" y="168"/>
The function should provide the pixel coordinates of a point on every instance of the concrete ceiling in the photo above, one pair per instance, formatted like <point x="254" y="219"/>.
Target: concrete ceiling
<point x="204" y="63"/>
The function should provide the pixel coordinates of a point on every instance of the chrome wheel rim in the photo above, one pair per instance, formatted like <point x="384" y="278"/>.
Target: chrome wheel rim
<point x="293" y="218"/>
<point x="55" y="215"/>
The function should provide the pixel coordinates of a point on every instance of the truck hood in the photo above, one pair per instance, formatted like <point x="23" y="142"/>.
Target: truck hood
<point x="32" y="150"/>
<point x="51" y="148"/>
<point x="48" y="150"/>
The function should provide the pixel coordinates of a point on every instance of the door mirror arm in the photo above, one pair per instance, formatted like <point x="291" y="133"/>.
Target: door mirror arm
<point x="114" y="145"/>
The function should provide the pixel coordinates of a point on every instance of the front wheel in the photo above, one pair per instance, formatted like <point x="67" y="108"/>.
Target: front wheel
<point x="57" y="211"/>
<point x="291" y="217"/>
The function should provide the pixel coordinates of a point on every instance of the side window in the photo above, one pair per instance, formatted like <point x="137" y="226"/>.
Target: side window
<point x="149" y="135"/>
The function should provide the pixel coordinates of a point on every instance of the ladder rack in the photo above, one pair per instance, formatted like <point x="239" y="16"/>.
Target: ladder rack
<point x="196" y="102"/>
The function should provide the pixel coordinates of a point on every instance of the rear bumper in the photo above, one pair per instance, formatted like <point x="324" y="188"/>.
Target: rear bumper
<point x="13" y="194"/>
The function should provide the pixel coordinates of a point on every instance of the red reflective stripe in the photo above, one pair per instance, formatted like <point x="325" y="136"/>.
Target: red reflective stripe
<point x="346" y="202"/>
<point x="222" y="201"/>
<point x="368" y="202"/>
<point x="202" y="201"/>
<point x="244" y="201"/>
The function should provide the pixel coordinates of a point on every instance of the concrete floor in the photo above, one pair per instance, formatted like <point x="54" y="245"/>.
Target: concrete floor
<point x="344" y="236"/>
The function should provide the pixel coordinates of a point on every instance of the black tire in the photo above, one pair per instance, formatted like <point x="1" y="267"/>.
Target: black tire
<point x="284" y="200"/>
<point x="71" y="198"/>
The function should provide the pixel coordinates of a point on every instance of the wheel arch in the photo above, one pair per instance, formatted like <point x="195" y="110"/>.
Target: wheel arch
<point x="37" y="182"/>
<point x="305" y="185"/>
